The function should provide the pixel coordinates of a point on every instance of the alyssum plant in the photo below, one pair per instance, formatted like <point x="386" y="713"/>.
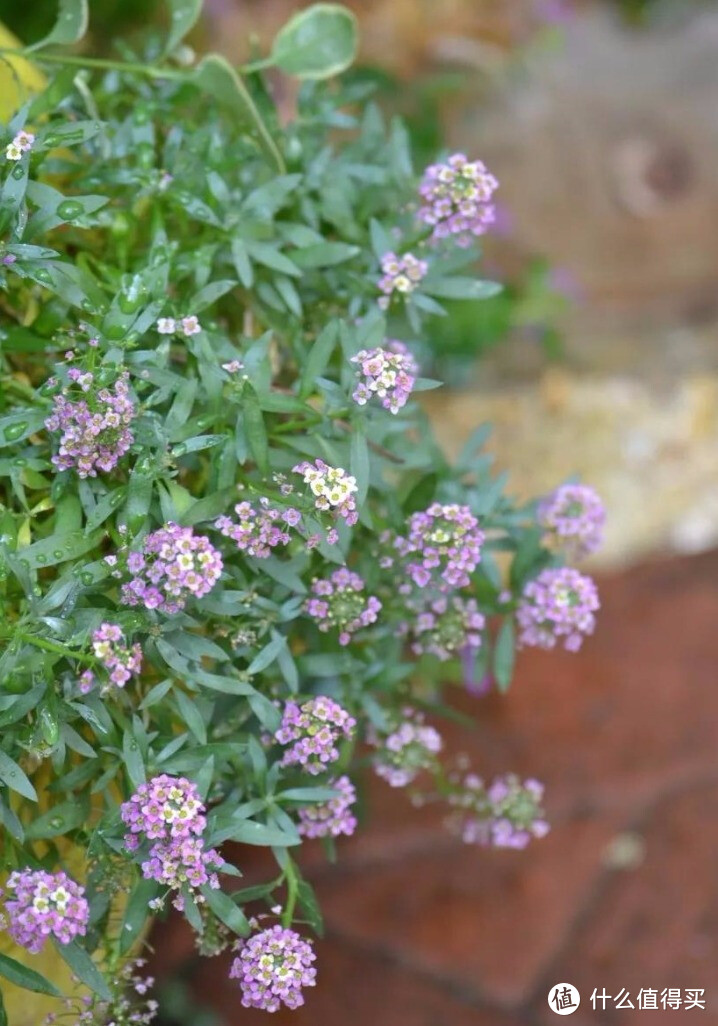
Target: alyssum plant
<point x="230" y="551"/>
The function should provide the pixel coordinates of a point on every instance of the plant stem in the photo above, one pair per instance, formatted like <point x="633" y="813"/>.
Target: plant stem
<point x="52" y="646"/>
<point x="98" y="62"/>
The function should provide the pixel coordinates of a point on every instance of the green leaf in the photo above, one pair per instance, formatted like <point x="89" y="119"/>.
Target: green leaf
<point x="60" y="819"/>
<point x="268" y="654"/>
<point x="255" y="430"/>
<point x="84" y="968"/>
<point x="184" y="15"/>
<point x="59" y="548"/>
<point x="22" y="976"/>
<point x="15" y="778"/>
<point x="70" y="25"/>
<point x="505" y="654"/>
<point x="316" y="43"/>
<point x="226" y="910"/>
<point x="323" y="254"/>
<point x="247" y="831"/>
<point x="308" y="901"/>
<point x="134" y="763"/>
<point x="216" y="76"/>
<point x="137" y="912"/>
<point x="318" y="358"/>
<point x="460" y="288"/>
<point x="359" y="461"/>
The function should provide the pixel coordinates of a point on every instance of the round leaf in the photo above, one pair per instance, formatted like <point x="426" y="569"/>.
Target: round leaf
<point x="317" y="43"/>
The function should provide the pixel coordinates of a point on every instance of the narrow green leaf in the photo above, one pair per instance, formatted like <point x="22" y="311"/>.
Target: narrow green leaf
<point x="255" y="430"/>
<point x="226" y="910"/>
<point x="216" y="76"/>
<point x="15" y="778"/>
<point x="505" y="654"/>
<point x="22" y="976"/>
<point x="137" y="912"/>
<point x="84" y="968"/>
<point x="318" y="358"/>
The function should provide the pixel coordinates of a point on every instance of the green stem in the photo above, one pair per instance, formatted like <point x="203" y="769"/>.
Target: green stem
<point x="52" y="646"/>
<point x="97" y="62"/>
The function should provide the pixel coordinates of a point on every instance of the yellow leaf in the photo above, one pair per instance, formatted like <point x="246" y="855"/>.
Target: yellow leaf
<point x="19" y="78"/>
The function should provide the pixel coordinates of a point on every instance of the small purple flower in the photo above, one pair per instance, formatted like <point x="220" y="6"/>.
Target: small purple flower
<point x="39" y="905"/>
<point x="272" y="968"/>
<point x="95" y="431"/>
<point x="175" y="564"/>
<point x="446" y="626"/>
<point x="557" y="606"/>
<point x="456" y="197"/>
<point x="442" y="546"/>
<point x="506" y="814"/>
<point x="338" y="603"/>
<point x="118" y="658"/>
<point x="400" y="274"/>
<point x="389" y="374"/>
<point x="410" y="748"/>
<point x="333" y="817"/>
<point x="312" y="732"/>
<point x="574" y="517"/>
<point x="258" y="531"/>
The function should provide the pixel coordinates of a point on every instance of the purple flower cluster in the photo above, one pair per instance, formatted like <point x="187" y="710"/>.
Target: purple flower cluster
<point x="163" y="809"/>
<point x="169" y="811"/>
<point x="557" y="606"/>
<point x="175" y="564"/>
<point x="331" y="818"/>
<point x="446" y="626"/>
<point x="456" y="199"/>
<point x="257" y="532"/>
<point x="389" y="374"/>
<point x="506" y="814"/>
<point x="272" y="968"/>
<point x="312" y="731"/>
<point x="95" y="431"/>
<point x="338" y="602"/>
<point x="182" y="860"/>
<point x="39" y="905"/>
<point x="574" y="517"/>
<point x="333" y="489"/>
<point x="443" y="542"/>
<point x="410" y="748"/>
<point x="399" y="274"/>
<point x="118" y="658"/>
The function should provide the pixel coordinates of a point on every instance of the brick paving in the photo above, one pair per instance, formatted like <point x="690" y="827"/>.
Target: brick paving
<point x="423" y="931"/>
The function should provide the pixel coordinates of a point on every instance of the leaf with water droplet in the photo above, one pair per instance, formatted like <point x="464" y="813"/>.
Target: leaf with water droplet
<point x="70" y="25"/>
<point x="14" y="777"/>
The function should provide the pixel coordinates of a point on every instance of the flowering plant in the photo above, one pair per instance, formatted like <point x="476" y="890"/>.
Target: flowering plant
<point x="232" y="559"/>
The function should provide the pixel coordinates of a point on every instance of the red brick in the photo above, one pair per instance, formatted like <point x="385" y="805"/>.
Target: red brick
<point x="655" y="926"/>
<point x="356" y="987"/>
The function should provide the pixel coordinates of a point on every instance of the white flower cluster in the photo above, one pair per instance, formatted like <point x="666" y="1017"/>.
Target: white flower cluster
<point x="186" y="325"/>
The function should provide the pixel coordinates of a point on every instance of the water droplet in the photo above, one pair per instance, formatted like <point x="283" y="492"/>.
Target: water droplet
<point x="13" y="431"/>
<point x="41" y="558"/>
<point x="179" y="450"/>
<point x="58" y="553"/>
<point x="51" y="139"/>
<point x="86" y="577"/>
<point x="68" y="210"/>
<point x="18" y="172"/>
<point x="57" y="822"/>
<point x="20" y="461"/>
<point x="43" y="276"/>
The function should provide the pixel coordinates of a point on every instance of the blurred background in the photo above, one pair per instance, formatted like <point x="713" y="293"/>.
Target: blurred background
<point x="600" y="359"/>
